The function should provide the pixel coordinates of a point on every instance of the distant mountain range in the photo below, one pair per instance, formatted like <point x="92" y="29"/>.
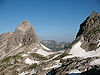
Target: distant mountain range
<point x="54" y="45"/>
<point x="22" y="53"/>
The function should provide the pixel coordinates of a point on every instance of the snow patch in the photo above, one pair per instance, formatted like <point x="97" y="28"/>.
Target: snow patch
<point x="77" y="51"/>
<point x="38" y="45"/>
<point x="24" y="73"/>
<point x="95" y="62"/>
<point x="19" y="45"/>
<point x="32" y="72"/>
<point x="98" y="43"/>
<point x="18" y="69"/>
<point x="34" y="48"/>
<point x="43" y="52"/>
<point x="44" y="47"/>
<point x="29" y="52"/>
<point x="29" y="61"/>
<point x="57" y="64"/>
<point x="24" y="55"/>
<point x="74" y="72"/>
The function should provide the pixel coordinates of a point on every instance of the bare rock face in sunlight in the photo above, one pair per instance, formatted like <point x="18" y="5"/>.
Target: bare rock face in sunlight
<point x="90" y="30"/>
<point x="23" y="35"/>
<point x="22" y="53"/>
<point x="83" y="56"/>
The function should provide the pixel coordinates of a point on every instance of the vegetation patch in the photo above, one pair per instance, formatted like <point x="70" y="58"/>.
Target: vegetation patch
<point x="33" y="66"/>
<point x="4" y="66"/>
<point x="92" y="46"/>
<point x="9" y="62"/>
<point x="38" y="56"/>
<point x="29" y="67"/>
<point x="7" y="59"/>
<point x="61" y="56"/>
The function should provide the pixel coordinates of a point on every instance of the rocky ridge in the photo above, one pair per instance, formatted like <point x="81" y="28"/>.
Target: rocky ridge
<point x="22" y="53"/>
<point x="84" y="52"/>
<point x="90" y="31"/>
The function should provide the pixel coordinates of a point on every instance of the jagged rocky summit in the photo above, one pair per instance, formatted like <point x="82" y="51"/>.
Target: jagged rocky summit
<point x="84" y="52"/>
<point x="90" y="31"/>
<point x="22" y="53"/>
<point x="23" y="35"/>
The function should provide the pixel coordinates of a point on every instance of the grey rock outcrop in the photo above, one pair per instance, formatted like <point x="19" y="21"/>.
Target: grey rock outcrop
<point x="89" y="35"/>
<point x="90" y="30"/>
<point x="22" y="51"/>
<point x="24" y="35"/>
<point x="74" y="63"/>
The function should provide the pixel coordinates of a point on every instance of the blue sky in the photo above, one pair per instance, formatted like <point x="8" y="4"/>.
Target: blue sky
<point x="52" y="19"/>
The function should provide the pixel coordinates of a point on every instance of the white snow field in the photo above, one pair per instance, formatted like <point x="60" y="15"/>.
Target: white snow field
<point x="74" y="72"/>
<point x="29" y="61"/>
<point x="95" y="62"/>
<point x="77" y="51"/>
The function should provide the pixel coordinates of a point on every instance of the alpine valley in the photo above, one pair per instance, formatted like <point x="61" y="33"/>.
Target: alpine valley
<point x="22" y="53"/>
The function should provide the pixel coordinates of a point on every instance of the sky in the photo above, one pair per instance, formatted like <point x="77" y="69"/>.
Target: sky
<point x="52" y="19"/>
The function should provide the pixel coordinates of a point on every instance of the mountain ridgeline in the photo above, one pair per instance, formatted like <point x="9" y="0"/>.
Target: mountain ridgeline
<point x="22" y="53"/>
<point x="90" y="31"/>
<point x="23" y="35"/>
<point x="54" y="45"/>
<point x="84" y="51"/>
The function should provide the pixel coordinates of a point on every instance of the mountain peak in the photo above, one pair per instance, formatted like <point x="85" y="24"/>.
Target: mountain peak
<point x="24" y="26"/>
<point x="24" y="23"/>
<point x="95" y="13"/>
<point x="90" y="30"/>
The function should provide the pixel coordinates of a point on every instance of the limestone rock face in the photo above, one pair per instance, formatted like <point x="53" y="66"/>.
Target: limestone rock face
<point x="75" y="63"/>
<point x="90" y="30"/>
<point x="23" y="35"/>
<point x="87" y="41"/>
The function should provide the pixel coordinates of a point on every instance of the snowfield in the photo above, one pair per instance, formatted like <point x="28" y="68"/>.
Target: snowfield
<point x="74" y="72"/>
<point x="32" y="72"/>
<point x="56" y="65"/>
<point x="95" y="62"/>
<point x="18" y="46"/>
<point x="29" y="61"/>
<point x="24" y="55"/>
<point x="45" y="47"/>
<point x="24" y="73"/>
<point x="99" y="43"/>
<point x="43" y="52"/>
<point x="77" y="51"/>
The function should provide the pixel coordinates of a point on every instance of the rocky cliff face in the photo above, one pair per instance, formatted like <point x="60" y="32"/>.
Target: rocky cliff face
<point x="23" y="35"/>
<point x="83" y="56"/>
<point x="90" y="31"/>
<point x="70" y="65"/>
<point x="22" y="53"/>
